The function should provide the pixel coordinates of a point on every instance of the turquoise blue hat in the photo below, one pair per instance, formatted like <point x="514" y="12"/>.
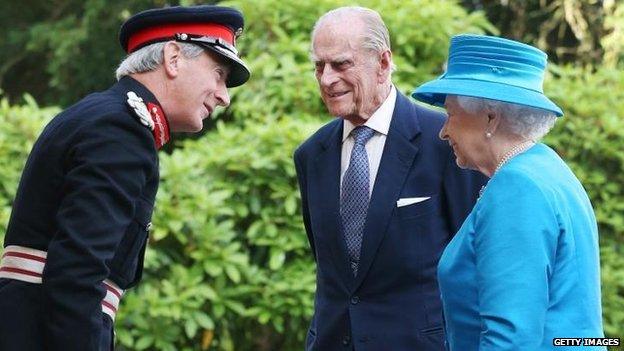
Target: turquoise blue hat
<point x="492" y="68"/>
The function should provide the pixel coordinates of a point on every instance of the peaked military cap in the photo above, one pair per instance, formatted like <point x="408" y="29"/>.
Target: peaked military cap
<point x="215" y="28"/>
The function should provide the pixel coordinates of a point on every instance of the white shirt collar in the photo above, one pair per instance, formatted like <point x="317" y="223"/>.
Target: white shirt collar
<point x="379" y="121"/>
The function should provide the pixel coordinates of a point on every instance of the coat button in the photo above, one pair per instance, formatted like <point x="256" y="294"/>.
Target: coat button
<point x="355" y="300"/>
<point x="346" y="340"/>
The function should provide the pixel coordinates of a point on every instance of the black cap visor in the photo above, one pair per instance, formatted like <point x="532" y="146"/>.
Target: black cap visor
<point x="239" y="73"/>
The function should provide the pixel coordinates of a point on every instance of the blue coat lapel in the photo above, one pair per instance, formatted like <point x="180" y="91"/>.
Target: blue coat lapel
<point x="326" y="185"/>
<point x="396" y="161"/>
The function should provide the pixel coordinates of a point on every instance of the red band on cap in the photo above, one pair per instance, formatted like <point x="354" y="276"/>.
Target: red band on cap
<point x="169" y="30"/>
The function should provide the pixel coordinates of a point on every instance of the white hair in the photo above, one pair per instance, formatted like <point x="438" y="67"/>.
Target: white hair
<point x="375" y="37"/>
<point x="150" y="57"/>
<point x="525" y="121"/>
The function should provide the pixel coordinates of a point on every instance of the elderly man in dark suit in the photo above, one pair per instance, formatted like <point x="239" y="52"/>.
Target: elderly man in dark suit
<point x="381" y="193"/>
<point x="81" y="217"/>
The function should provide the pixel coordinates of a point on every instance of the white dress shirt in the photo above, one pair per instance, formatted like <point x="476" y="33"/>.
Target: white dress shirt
<point x="380" y="123"/>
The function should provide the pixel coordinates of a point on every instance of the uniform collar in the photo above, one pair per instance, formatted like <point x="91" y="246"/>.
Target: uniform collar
<point x="146" y="108"/>
<point x="379" y="121"/>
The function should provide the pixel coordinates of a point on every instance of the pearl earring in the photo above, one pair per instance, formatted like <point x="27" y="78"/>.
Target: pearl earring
<point x="488" y="135"/>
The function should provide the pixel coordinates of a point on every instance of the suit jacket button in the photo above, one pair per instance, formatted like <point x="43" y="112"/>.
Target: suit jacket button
<point x="355" y="300"/>
<point x="346" y="340"/>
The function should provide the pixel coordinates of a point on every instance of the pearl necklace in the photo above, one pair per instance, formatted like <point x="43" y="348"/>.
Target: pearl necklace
<point x="523" y="146"/>
<point x="513" y="152"/>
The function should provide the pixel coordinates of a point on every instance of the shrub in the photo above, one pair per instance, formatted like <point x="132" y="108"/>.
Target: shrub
<point x="228" y="265"/>
<point x="590" y="138"/>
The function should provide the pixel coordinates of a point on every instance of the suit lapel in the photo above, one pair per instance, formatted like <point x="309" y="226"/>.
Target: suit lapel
<point x="396" y="161"/>
<point x="326" y="187"/>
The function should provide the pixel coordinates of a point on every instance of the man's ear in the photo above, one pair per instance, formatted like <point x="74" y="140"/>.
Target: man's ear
<point x="172" y="55"/>
<point x="385" y="65"/>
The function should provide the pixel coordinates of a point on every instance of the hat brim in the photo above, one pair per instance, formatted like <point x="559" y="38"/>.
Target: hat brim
<point x="239" y="72"/>
<point x="435" y="92"/>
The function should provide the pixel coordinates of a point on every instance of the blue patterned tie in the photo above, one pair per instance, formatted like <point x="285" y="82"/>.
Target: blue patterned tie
<point x="355" y="195"/>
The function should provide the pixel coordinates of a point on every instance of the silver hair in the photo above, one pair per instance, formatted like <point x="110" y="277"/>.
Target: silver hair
<point x="150" y="57"/>
<point x="525" y="121"/>
<point x="376" y="36"/>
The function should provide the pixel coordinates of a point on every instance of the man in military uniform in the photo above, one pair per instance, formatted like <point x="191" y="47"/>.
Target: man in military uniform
<point x="81" y="217"/>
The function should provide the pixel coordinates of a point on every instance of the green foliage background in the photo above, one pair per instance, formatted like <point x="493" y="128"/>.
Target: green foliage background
<point x="228" y="267"/>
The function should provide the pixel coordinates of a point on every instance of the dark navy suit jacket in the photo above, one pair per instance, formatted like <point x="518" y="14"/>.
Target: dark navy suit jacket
<point x="393" y="303"/>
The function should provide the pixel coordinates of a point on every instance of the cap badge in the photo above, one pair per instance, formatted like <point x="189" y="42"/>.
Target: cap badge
<point x="140" y="109"/>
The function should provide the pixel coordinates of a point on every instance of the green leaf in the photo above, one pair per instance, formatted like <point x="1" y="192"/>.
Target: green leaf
<point x="233" y="273"/>
<point x="204" y="321"/>
<point x="144" y="342"/>
<point x="190" y="327"/>
<point x="277" y="258"/>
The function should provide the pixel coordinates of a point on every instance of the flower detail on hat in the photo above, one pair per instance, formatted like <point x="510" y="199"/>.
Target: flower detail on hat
<point x="140" y="109"/>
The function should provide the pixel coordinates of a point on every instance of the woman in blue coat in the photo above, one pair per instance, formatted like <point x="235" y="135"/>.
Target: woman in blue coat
<point x="524" y="267"/>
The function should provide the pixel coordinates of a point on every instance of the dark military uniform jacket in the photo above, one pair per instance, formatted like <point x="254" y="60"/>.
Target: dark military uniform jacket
<point x="86" y="198"/>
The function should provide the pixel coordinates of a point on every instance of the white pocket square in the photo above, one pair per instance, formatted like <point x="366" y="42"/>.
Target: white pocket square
<point x="411" y="200"/>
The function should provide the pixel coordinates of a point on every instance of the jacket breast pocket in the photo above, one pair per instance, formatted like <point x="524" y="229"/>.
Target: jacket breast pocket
<point x="127" y="265"/>
<point x="419" y="209"/>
